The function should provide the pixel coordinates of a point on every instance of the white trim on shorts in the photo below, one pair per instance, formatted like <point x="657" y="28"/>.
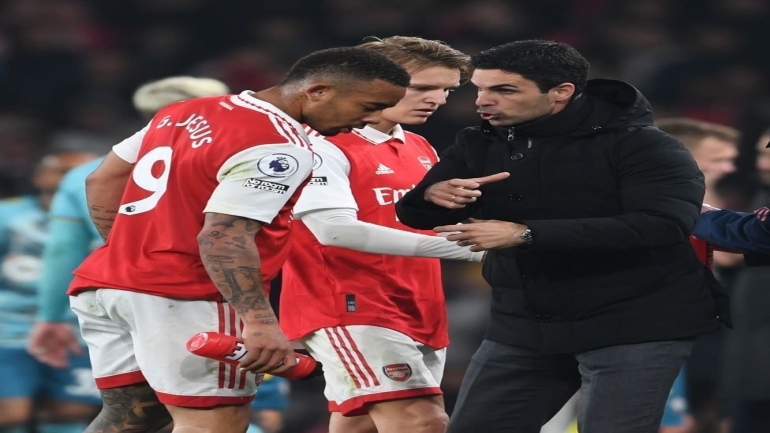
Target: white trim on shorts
<point x="365" y="364"/>
<point x="135" y="337"/>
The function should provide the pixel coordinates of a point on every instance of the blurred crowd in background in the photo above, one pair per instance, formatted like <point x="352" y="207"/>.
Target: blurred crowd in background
<point x="68" y="69"/>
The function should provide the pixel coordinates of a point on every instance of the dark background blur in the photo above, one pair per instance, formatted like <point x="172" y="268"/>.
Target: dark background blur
<point x="68" y="69"/>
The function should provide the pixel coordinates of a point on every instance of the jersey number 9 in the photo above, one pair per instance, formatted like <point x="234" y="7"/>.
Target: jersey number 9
<point x="144" y="178"/>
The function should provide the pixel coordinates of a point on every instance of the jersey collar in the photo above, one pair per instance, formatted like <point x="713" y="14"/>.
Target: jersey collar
<point x="376" y="137"/>
<point x="245" y="100"/>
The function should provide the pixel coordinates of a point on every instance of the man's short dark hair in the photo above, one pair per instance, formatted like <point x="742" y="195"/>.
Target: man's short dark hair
<point x="547" y="63"/>
<point x="348" y="63"/>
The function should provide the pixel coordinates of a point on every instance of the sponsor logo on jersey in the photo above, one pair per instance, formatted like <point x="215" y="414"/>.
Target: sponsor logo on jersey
<point x="264" y="185"/>
<point x="425" y="161"/>
<point x="21" y="269"/>
<point x="386" y="196"/>
<point x="398" y="372"/>
<point x="278" y="165"/>
<point x="383" y="169"/>
<point x="318" y="180"/>
<point x="317" y="161"/>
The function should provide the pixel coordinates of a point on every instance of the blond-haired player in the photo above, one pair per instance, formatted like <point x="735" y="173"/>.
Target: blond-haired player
<point x="370" y="288"/>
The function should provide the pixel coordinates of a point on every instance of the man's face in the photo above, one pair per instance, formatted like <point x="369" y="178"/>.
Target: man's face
<point x="763" y="159"/>
<point x="52" y="169"/>
<point x="506" y="99"/>
<point x="715" y="158"/>
<point x="427" y="91"/>
<point x="331" y="112"/>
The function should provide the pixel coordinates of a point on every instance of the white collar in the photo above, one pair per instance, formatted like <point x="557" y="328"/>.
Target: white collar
<point x="377" y="137"/>
<point x="247" y="101"/>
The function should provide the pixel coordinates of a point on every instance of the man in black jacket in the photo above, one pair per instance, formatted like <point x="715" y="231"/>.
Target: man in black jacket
<point x="585" y="209"/>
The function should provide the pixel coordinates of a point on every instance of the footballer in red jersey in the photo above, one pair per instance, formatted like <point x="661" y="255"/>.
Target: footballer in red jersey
<point x="373" y="309"/>
<point x="195" y="211"/>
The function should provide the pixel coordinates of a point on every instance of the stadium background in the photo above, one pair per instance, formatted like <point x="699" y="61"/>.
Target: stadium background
<point x="69" y="67"/>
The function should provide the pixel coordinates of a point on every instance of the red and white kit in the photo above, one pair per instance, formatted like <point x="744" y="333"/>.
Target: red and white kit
<point x="234" y="155"/>
<point x="376" y="321"/>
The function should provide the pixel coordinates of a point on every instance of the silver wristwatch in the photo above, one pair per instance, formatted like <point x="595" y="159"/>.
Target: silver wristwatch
<point x="526" y="235"/>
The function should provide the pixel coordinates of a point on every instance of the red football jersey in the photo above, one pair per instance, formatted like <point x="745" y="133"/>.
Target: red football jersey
<point x="234" y="155"/>
<point x="326" y="286"/>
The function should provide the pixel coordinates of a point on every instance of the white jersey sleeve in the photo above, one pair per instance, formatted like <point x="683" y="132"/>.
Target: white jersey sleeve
<point x="128" y="149"/>
<point x="330" y="186"/>
<point x="257" y="182"/>
<point x="341" y="228"/>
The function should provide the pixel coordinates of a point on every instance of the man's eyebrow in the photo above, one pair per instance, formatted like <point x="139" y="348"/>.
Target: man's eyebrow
<point x="433" y="86"/>
<point x="502" y="86"/>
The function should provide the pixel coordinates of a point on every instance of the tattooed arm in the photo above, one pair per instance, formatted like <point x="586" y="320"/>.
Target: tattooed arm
<point x="104" y="189"/>
<point x="229" y="253"/>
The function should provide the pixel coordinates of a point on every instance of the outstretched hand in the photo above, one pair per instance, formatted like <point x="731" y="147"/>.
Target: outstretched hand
<point x="482" y="235"/>
<point x="457" y="193"/>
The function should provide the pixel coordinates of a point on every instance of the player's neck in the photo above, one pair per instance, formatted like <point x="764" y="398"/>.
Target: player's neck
<point x="274" y="96"/>
<point x="385" y="126"/>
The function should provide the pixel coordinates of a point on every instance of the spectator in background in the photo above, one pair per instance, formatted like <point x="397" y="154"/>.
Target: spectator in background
<point x="695" y="403"/>
<point x="741" y="231"/>
<point x="714" y="148"/>
<point x="69" y="394"/>
<point x="747" y="378"/>
<point x="596" y="286"/>
<point x="21" y="141"/>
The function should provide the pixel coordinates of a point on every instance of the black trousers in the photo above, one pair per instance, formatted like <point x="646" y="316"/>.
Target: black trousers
<point x="624" y="388"/>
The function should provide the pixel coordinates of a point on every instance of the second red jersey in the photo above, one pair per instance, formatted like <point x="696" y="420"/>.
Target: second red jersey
<point x="234" y="155"/>
<point x="325" y="286"/>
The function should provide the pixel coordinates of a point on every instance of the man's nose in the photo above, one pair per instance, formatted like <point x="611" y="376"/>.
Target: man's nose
<point x="483" y="99"/>
<point x="437" y="97"/>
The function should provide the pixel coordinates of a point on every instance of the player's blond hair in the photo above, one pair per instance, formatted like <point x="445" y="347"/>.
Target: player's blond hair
<point x="151" y="97"/>
<point x="416" y="54"/>
<point x="691" y="132"/>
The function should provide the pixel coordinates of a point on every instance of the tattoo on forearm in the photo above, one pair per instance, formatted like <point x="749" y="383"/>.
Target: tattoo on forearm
<point x="130" y="409"/>
<point x="103" y="219"/>
<point x="230" y="257"/>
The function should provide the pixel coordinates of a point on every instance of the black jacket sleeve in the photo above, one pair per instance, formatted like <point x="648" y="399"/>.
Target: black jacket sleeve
<point x="661" y="192"/>
<point x="757" y="259"/>
<point x="415" y="212"/>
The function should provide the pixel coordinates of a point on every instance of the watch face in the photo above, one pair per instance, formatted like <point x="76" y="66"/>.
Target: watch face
<point x="527" y="236"/>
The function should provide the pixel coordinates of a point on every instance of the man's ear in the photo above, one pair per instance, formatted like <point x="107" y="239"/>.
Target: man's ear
<point x="318" y="92"/>
<point x="563" y="92"/>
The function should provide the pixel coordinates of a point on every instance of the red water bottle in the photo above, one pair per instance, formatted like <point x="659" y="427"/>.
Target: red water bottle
<point x="226" y="348"/>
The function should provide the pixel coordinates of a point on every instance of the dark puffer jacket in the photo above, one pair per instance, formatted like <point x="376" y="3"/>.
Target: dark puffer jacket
<point x="611" y="201"/>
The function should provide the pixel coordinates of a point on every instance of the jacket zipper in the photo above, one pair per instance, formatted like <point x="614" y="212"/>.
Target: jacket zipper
<point x="510" y="134"/>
